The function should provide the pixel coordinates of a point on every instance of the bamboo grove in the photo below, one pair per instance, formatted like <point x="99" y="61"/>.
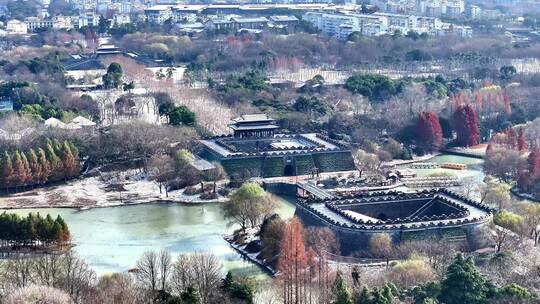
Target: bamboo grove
<point x="55" y="161"/>
<point x="32" y="230"/>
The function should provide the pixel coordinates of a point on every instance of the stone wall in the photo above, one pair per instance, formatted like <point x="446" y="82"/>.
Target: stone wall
<point x="281" y="188"/>
<point x="356" y="240"/>
<point x="274" y="165"/>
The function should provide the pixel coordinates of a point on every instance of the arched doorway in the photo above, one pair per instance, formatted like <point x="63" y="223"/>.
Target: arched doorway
<point x="288" y="170"/>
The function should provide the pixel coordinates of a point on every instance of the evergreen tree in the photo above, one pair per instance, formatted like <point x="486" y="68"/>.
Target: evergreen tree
<point x="228" y="281"/>
<point x="56" y="234"/>
<point x="191" y="296"/>
<point x="466" y="125"/>
<point x="181" y="115"/>
<point x="35" y="167"/>
<point x="46" y="230"/>
<point x="343" y="296"/>
<point x="58" y="147"/>
<point x="65" y="234"/>
<point x="54" y="162"/>
<point x="74" y="150"/>
<point x="464" y="284"/>
<point x="20" y="170"/>
<point x="513" y="293"/>
<point x="429" y="131"/>
<point x="364" y="297"/>
<point x="113" y="78"/>
<point x="26" y="168"/>
<point x="45" y="167"/>
<point x="388" y="294"/>
<point x="31" y="229"/>
<point x="69" y="163"/>
<point x="6" y="171"/>
<point x="378" y="297"/>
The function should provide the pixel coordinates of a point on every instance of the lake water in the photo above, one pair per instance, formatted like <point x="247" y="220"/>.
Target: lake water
<point x="112" y="239"/>
<point x="474" y="171"/>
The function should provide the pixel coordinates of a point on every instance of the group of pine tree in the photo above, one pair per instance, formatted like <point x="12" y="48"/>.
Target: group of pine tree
<point x="52" y="162"/>
<point x="32" y="230"/>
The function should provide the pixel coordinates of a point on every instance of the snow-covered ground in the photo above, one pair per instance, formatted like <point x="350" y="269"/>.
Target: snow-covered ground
<point x="118" y="188"/>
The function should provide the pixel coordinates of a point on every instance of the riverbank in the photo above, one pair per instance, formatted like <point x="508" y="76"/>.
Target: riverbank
<point x="478" y="151"/>
<point x="415" y="159"/>
<point x="117" y="189"/>
<point x="31" y="250"/>
<point x="524" y="196"/>
<point x="252" y="257"/>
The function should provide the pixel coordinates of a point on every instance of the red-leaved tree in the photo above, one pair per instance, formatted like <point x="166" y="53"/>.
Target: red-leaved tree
<point x="293" y="262"/>
<point x="534" y="163"/>
<point x="466" y="125"/>
<point x="429" y="131"/>
<point x="522" y="141"/>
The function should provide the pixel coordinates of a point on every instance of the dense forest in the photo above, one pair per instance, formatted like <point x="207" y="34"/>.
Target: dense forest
<point x="51" y="163"/>
<point x="32" y="230"/>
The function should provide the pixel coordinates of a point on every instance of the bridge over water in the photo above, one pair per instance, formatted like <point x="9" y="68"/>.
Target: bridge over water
<point x="293" y="186"/>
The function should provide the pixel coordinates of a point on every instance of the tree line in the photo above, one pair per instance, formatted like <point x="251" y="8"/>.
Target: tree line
<point x="461" y="283"/>
<point x="55" y="161"/>
<point x="33" y="230"/>
<point x="158" y="278"/>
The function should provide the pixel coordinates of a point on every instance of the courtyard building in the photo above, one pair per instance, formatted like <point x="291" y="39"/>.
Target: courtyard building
<point x="357" y="217"/>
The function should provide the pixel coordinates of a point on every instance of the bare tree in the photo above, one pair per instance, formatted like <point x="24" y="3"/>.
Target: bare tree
<point x="38" y="294"/>
<point x="322" y="239"/>
<point x="165" y="268"/>
<point x="200" y="270"/>
<point x="366" y="162"/>
<point x="16" y="273"/>
<point x="77" y="276"/>
<point x="495" y="194"/>
<point x="380" y="245"/>
<point x="161" y="168"/>
<point x="117" y="289"/>
<point x="531" y="221"/>
<point x="148" y="270"/>
<point x="66" y="272"/>
<point x="411" y="272"/>
<point x="438" y="252"/>
<point x="48" y="270"/>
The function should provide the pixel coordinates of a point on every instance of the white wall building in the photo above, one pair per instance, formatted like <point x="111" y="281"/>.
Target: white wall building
<point x="120" y="19"/>
<point x="342" y="25"/>
<point x="158" y="14"/>
<point x="103" y="6"/>
<point x="16" y="27"/>
<point x="125" y="7"/>
<point x="56" y="22"/>
<point x="88" y="19"/>
<point x="474" y="12"/>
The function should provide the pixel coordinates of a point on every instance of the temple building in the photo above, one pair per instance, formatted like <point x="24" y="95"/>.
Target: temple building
<point x="257" y="148"/>
<point x="254" y="125"/>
